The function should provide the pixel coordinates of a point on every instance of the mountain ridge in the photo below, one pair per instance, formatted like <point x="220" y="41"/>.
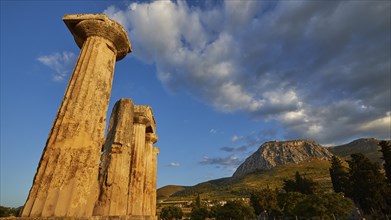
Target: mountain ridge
<point x="367" y="146"/>
<point x="274" y="153"/>
<point x="273" y="177"/>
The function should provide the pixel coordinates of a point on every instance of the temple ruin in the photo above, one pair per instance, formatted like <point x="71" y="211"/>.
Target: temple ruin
<point x="128" y="163"/>
<point x="81" y="173"/>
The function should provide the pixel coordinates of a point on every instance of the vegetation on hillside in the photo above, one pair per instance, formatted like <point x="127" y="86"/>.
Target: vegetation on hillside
<point x="364" y="183"/>
<point x="386" y="151"/>
<point x="274" y="178"/>
<point x="324" y="189"/>
<point x="7" y="212"/>
<point x="300" y="184"/>
<point x="318" y="170"/>
<point x="367" y="146"/>
<point x="339" y="175"/>
<point x="199" y="210"/>
<point x="269" y="203"/>
<point x="234" y="210"/>
<point x="171" y="213"/>
<point x="265" y="201"/>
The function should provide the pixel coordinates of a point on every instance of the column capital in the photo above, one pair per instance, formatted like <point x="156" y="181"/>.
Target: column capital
<point x="83" y="26"/>
<point x="141" y="119"/>
<point x="151" y="137"/>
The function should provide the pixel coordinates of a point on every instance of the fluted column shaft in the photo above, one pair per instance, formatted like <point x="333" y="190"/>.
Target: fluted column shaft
<point x="66" y="180"/>
<point x="155" y="152"/>
<point x="148" y="187"/>
<point x="137" y="174"/>
<point x="115" y="161"/>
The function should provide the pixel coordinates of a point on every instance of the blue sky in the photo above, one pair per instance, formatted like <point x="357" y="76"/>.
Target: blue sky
<point x="222" y="77"/>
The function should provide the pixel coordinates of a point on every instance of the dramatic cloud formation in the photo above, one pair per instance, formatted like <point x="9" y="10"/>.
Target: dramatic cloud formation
<point x="62" y="64"/>
<point x="320" y="69"/>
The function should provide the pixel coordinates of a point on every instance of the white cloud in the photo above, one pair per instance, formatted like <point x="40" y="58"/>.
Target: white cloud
<point x="173" y="164"/>
<point x="213" y="131"/>
<point x="274" y="60"/>
<point x="61" y="63"/>
<point x="236" y="138"/>
<point x="294" y="117"/>
<point x="231" y="97"/>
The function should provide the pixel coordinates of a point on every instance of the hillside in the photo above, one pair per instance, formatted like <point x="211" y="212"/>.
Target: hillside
<point x="275" y="153"/>
<point x="367" y="146"/>
<point x="167" y="191"/>
<point x="283" y="162"/>
<point x="243" y="186"/>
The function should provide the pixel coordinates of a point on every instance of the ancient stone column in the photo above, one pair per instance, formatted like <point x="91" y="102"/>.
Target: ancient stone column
<point x="137" y="170"/>
<point x="115" y="161"/>
<point x="66" y="182"/>
<point x="155" y="152"/>
<point x="151" y="138"/>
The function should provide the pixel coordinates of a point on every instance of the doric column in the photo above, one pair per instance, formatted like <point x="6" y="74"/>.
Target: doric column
<point x="136" y="180"/>
<point x="66" y="182"/>
<point x="115" y="161"/>
<point x="155" y="152"/>
<point x="150" y="139"/>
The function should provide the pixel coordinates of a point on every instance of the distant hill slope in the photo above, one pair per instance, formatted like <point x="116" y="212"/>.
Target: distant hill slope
<point x="367" y="146"/>
<point x="272" y="163"/>
<point x="274" y="153"/>
<point x="243" y="186"/>
<point x="167" y="191"/>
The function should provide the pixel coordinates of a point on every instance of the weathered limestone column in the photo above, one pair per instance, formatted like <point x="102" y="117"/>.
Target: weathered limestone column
<point x="155" y="152"/>
<point x="136" y="180"/>
<point x="66" y="182"/>
<point x="151" y="138"/>
<point x="115" y="162"/>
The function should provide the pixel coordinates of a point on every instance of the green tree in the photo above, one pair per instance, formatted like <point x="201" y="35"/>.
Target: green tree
<point x="288" y="201"/>
<point x="339" y="175"/>
<point x="265" y="200"/>
<point x="386" y="151"/>
<point x="234" y="210"/>
<point x="199" y="211"/>
<point x="171" y="212"/>
<point x="197" y="203"/>
<point x="337" y="205"/>
<point x="310" y="206"/>
<point x="326" y="206"/>
<point x="368" y="184"/>
<point x="300" y="184"/>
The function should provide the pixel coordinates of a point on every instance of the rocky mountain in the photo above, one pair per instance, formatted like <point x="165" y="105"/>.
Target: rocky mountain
<point x="230" y="187"/>
<point x="274" y="162"/>
<point x="274" y="153"/>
